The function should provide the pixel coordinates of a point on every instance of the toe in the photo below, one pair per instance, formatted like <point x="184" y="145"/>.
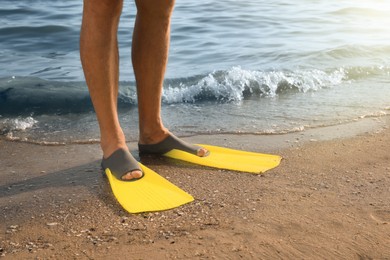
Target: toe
<point x="132" y="175"/>
<point x="202" y="152"/>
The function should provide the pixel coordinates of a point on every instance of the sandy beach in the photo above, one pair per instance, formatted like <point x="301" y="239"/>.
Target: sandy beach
<point x="328" y="199"/>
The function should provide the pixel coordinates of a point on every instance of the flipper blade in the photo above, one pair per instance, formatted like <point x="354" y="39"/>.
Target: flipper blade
<point x="230" y="159"/>
<point x="151" y="193"/>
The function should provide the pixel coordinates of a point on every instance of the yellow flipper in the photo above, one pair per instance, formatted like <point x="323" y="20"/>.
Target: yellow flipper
<point x="230" y="159"/>
<point x="151" y="193"/>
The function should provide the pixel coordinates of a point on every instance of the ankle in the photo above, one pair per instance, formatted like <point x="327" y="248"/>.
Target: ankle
<point x="154" y="136"/>
<point x="110" y="144"/>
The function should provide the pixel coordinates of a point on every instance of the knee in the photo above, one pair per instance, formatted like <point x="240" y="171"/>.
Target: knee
<point x="103" y="8"/>
<point x="156" y="8"/>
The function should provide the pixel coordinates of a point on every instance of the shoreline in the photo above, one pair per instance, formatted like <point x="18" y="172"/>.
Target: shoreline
<point x="316" y="133"/>
<point x="327" y="199"/>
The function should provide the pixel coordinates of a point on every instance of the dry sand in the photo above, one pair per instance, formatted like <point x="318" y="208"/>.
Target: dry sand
<point x="329" y="199"/>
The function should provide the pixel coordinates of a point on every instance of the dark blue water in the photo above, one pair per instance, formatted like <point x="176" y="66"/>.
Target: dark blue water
<point x="254" y="67"/>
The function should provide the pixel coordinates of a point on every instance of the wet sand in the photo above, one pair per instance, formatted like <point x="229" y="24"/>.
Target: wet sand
<point x="329" y="199"/>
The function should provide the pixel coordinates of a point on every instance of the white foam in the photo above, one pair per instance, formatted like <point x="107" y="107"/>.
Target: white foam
<point x="17" y="124"/>
<point x="235" y="83"/>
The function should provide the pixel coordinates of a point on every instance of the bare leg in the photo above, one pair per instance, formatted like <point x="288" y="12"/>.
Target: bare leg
<point x="99" y="56"/>
<point x="150" y="55"/>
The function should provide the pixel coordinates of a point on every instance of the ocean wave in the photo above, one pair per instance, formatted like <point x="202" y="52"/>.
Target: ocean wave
<point x="30" y="95"/>
<point x="354" y="54"/>
<point x="377" y="10"/>
<point x="236" y="84"/>
<point x="27" y="95"/>
<point x="9" y="125"/>
<point x="33" y="31"/>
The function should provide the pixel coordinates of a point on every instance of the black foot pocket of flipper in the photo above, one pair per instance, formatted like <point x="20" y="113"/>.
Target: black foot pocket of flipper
<point x="168" y="144"/>
<point x="120" y="163"/>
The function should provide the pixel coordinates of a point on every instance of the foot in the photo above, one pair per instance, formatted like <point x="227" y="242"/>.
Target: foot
<point x="170" y="142"/>
<point x="110" y="147"/>
<point x="134" y="174"/>
<point x="123" y="165"/>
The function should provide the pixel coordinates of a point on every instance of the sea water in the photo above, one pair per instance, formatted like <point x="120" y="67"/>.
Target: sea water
<point x="257" y="67"/>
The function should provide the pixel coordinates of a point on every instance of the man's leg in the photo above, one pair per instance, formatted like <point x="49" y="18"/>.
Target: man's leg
<point x="100" y="60"/>
<point x="150" y="55"/>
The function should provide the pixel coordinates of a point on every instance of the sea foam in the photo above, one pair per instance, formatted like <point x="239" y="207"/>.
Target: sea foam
<point x="16" y="124"/>
<point x="236" y="83"/>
